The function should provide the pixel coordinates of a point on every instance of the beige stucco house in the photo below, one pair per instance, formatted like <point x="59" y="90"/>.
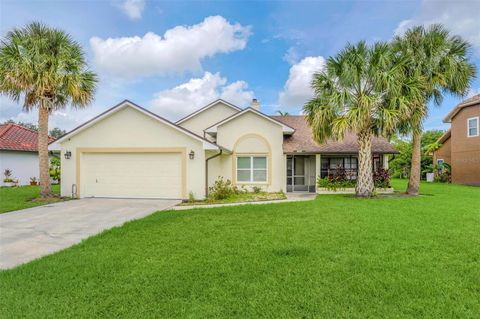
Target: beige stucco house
<point x="131" y="152"/>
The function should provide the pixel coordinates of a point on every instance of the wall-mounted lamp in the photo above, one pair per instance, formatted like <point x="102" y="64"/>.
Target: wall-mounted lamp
<point x="67" y="154"/>
<point x="191" y="155"/>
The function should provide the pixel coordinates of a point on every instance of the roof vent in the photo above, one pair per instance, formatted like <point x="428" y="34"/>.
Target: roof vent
<point x="255" y="105"/>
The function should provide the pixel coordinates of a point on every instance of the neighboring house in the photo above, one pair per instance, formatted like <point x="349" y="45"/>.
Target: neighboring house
<point x="128" y="151"/>
<point x="19" y="152"/>
<point x="461" y="143"/>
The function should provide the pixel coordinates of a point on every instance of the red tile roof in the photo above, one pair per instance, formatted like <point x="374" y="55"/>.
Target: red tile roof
<point x="14" y="137"/>
<point x="302" y="140"/>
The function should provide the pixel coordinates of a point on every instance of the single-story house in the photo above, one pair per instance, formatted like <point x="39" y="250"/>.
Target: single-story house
<point x="128" y="151"/>
<point x="461" y="143"/>
<point x="19" y="152"/>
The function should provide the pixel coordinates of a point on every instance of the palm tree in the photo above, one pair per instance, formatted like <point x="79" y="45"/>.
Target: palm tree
<point x="283" y="113"/>
<point x="361" y="90"/>
<point x="48" y="69"/>
<point x="441" y="62"/>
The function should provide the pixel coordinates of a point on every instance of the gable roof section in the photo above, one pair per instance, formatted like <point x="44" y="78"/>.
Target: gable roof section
<point x="286" y="129"/>
<point x="302" y="140"/>
<point x="445" y="136"/>
<point x="126" y="103"/>
<point x="206" y="107"/>
<point x="474" y="100"/>
<point x="14" y="137"/>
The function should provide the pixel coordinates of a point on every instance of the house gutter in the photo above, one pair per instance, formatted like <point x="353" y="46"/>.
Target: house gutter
<point x="206" y="170"/>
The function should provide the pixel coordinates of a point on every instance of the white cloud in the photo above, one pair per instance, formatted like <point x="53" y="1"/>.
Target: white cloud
<point x="181" y="48"/>
<point x="132" y="8"/>
<point x="460" y="17"/>
<point x="291" y="56"/>
<point x="197" y="92"/>
<point x="297" y="90"/>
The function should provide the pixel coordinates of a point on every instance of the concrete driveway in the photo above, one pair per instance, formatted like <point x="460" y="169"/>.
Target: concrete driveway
<point x="35" y="232"/>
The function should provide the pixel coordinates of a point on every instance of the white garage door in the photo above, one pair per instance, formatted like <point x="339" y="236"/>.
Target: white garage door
<point x="132" y="175"/>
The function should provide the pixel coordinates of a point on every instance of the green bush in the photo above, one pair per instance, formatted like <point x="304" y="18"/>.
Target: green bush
<point x="222" y="189"/>
<point x="55" y="171"/>
<point x="332" y="184"/>
<point x="256" y="189"/>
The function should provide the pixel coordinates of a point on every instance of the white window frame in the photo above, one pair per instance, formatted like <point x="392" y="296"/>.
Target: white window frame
<point x="468" y="126"/>
<point x="251" y="169"/>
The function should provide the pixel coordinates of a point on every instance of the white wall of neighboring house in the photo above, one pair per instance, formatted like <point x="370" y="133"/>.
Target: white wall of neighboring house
<point x="22" y="164"/>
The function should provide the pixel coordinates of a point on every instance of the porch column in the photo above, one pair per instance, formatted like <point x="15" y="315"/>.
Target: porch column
<point x="385" y="161"/>
<point x="318" y="161"/>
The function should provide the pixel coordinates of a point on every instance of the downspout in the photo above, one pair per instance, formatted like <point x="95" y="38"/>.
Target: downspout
<point x="206" y="170"/>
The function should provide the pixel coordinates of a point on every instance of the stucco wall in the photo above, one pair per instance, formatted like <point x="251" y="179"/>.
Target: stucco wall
<point x="22" y="164"/>
<point x="251" y="134"/>
<point x="204" y="119"/>
<point x="129" y="128"/>
<point x="465" y="150"/>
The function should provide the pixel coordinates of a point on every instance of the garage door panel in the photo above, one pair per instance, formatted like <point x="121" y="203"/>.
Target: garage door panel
<point x="135" y="175"/>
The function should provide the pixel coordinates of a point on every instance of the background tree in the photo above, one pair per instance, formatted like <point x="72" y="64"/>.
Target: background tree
<point x="48" y="69"/>
<point x="440" y="60"/>
<point x="57" y="132"/>
<point x="282" y="113"/>
<point x="361" y="90"/>
<point x="400" y="165"/>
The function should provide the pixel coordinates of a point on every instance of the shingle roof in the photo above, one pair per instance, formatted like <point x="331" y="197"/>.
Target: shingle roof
<point x="14" y="137"/>
<point x="474" y="100"/>
<point x="302" y="140"/>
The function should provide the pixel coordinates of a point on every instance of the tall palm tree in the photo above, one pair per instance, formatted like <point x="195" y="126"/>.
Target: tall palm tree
<point x="441" y="61"/>
<point x="46" y="68"/>
<point x="361" y="90"/>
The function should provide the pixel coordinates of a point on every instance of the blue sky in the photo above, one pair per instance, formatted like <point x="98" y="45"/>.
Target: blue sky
<point x="173" y="57"/>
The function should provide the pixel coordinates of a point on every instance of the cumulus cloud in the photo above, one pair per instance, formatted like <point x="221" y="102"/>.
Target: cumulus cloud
<point x="180" y="49"/>
<point x="460" y="17"/>
<point x="132" y="8"/>
<point x="297" y="89"/>
<point x="197" y="92"/>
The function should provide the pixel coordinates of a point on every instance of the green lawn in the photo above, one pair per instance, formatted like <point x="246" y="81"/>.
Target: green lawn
<point x="14" y="198"/>
<point x="334" y="257"/>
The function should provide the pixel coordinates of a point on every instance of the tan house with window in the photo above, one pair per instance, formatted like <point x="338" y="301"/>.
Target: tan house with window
<point x="461" y="143"/>
<point x="131" y="152"/>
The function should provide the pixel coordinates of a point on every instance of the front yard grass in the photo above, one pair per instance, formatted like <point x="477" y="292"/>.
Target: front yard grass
<point x="333" y="257"/>
<point x="15" y="198"/>
<point x="239" y="198"/>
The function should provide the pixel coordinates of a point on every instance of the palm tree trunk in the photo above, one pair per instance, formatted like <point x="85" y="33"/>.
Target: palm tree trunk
<point x="414" y="180"/>
<point x="365" y="185"/>
<point x="45" y="187"/>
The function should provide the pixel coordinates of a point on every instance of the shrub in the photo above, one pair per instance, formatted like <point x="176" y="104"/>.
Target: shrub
<point x="256" y="189"/>
<point x="222" y="189"/>
<point x="381" y="178"/>
<point x="191" y="197"/>
<point x="331" y="183"/>
<point x="55" y="171"/>
<point x="338" y="180"/>
<point x="8" y="176"/>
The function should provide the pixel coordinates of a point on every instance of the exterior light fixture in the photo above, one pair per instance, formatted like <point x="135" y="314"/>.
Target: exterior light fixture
<point x="191" y="155"/>
<point x="67" y="154"/>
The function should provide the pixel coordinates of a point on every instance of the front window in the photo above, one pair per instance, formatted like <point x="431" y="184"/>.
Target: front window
<point x="251" y="168"/>
<point x="472" y="126"/>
